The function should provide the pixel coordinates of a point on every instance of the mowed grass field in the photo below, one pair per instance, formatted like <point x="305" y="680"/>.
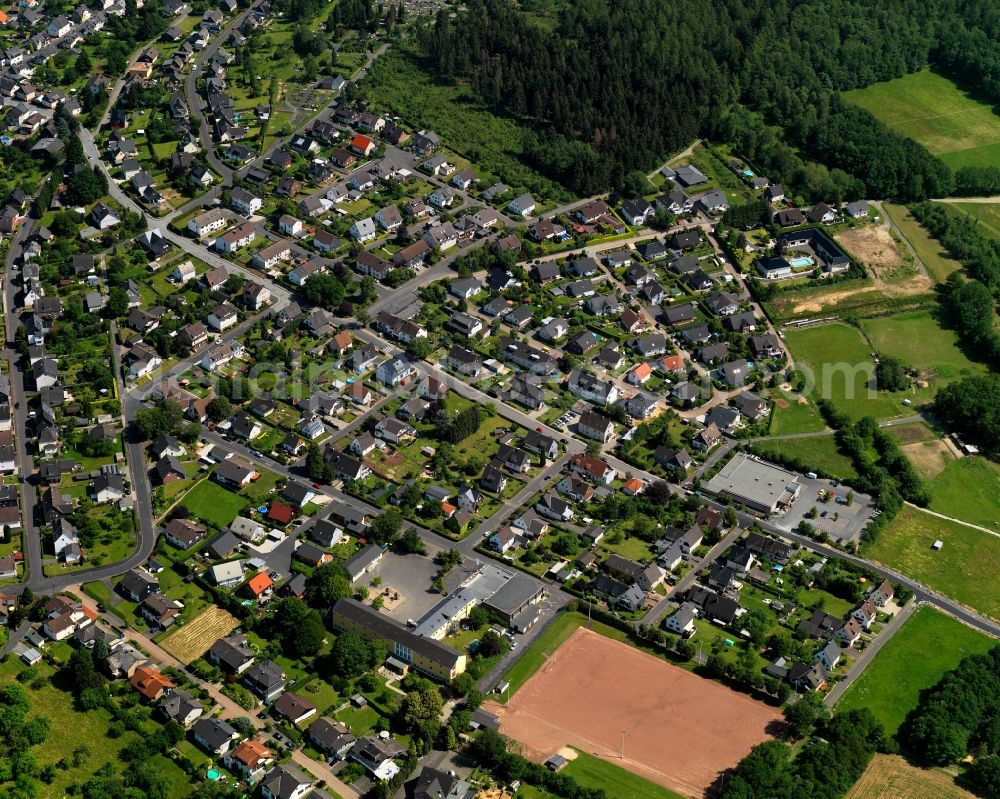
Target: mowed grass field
<point x="968" y="489"/>
<point x="964" y="568"/>
<point x="939" y="264"/>
<point x="789" y="415"/>
<point x="920" y="342"/>
<point x="213" y="503"/>
<point x="819" y="451"/>
<point x="592" y="772"/>
<point x="891" y="776"/>
<point x="928" y="107"/>
<point x="837" y="361"/>
<point x="927" y="645"/>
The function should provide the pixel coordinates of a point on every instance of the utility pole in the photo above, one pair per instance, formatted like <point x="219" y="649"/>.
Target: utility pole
<point x="623" y="745"/>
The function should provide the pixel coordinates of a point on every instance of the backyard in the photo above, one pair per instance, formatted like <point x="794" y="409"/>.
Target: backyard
<point x="78" y="738"/>
<point x="214" y="504"/>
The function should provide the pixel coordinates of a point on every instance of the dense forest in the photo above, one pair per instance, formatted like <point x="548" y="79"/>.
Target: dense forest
<point x="958" y="717"/>
<point x="826" y="767"/>
<point x="615" y="86"/>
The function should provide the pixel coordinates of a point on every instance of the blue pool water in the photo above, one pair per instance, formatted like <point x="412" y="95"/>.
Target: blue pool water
<point x="803" y="260"/>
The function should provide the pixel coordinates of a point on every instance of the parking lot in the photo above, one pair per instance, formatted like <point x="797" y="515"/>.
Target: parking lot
<point x="840" y="521"/>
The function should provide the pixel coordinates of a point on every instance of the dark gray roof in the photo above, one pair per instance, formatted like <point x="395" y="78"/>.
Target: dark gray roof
<point x="390" y="630"/>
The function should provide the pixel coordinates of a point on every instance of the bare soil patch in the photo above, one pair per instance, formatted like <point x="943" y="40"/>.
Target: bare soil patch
<point x="680" y="730"/>
<point x="194" y="639"/>
<point x="873" y="246"/>
<point x="929" y="457"/>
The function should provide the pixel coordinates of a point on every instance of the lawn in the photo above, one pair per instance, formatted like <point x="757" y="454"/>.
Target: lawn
<point x="213" y="503"/>
<point x="592" y="772"/>
<point x="947" y="120"/>
<point x="919" y="341"/>
<point x="360" y="720"/>
<point x="818" y="451"/>
<point x="927" y="645"/>
<point x="928" y="249"/>
<point x="99" y="592"/>
<point x="987" y="214"/>
<point x="968" y="489"/>
<point x="964" y="568"/>
<point x="835" y="359"/>
<point x="828" y="602"/>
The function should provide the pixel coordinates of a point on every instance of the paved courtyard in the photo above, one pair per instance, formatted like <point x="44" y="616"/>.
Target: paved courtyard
<point x="411" y="576"/>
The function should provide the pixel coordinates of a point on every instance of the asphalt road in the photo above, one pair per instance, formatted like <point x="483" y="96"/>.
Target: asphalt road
<point x="19" y="407"/>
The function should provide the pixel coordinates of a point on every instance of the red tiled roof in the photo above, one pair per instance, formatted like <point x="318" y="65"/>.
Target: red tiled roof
<point x="281" y="513"/>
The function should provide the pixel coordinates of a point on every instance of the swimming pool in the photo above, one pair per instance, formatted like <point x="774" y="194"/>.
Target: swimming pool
<point x="802" y="260"/>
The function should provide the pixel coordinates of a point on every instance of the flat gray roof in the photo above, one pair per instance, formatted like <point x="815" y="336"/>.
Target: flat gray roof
<point x="755" y="481"/>
<point x="514" y="594"/>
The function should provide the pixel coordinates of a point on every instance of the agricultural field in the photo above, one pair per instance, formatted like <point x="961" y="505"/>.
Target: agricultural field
<point x="892" y="775"/>
<point x="968" y="489"/>
<point x="919" y="341"/>
<point x="914" y="433"/>
<point x="939" y="264"/>
<point x="194" y="639"/>
<point x="927" y="645"/>
<point x="931" y="109"/>
<point x="836" y="359"/>
<point x="964" y="568"/>
<point x="987" y="214"/>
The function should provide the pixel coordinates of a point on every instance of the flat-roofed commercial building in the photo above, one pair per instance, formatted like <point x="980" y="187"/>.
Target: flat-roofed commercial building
<point x="759" y="485"/>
